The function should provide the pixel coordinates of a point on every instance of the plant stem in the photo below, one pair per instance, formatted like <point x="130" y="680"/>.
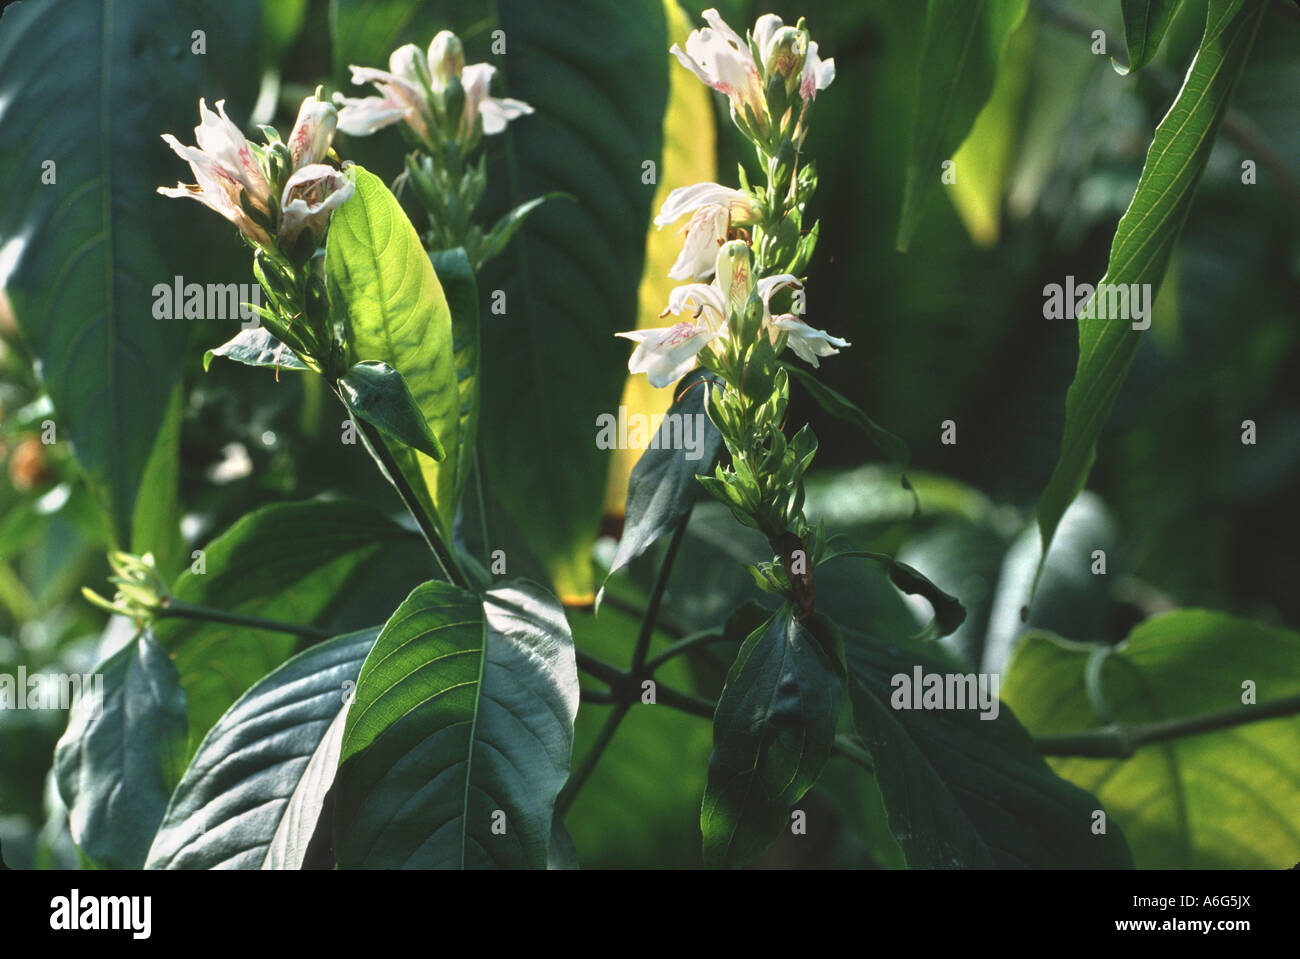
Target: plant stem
<point x="428" y="525"/>
<point x="175" y="609"/>
<point x="852" y="750"/>
<point x="611" y="675"/>
<point x="657" y="595"/>
<point x="684" y="645"/>
<point x="570" y="791"/>
<point x="1120" y="742"/>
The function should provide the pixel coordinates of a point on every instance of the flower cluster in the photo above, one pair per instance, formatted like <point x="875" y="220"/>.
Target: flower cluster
<point x="437" y="97"/>
<point x="279" y="195"/>
<point x="744" y="253"/>
<point x="444" y="109"/>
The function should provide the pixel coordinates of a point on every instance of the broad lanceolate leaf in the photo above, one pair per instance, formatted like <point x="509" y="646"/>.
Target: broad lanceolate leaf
<point x="377" y="393"/>
<point x="597" y="75"/>
<point x="948" y="610"/>
<point x="1143" y="242"/>
<point x="663" y="487"/>
<point x="961" y="790"/>
<point x="1222" y="799"/>
<point x="772" y="734"/>
<point x="122" y="754"/>
<point x="461" y="289"/>
<point x="83" y="235"/>
<point x="290" y="562"/>
<point x="252" y="796"/>
<point x="1145" y="24"/>
<point x="256" y="347"/>
<point x="963" y="45"/>
<point x="460" y="735"/>
<point x="382" y="283"/>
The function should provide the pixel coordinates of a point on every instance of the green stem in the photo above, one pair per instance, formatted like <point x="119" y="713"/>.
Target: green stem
<point x="684" y="645"/>
<point x="1120" y="742"/>
<point x="657" y="595"/>
<point x="175" y="609"/>
<point x="852" y="750"/>
<point x="570" y="791"/>
<point x="428" y="525"/>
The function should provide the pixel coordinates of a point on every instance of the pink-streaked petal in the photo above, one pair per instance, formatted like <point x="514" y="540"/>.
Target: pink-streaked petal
<point x="498" y="111"/>
<point x="666" y="355"/>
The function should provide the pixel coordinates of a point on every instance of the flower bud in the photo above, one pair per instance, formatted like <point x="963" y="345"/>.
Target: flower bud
<point x="735" y="275"/>
<point x="786" y="52"/>
<point x="446" y="58"/>
<point x="407" y="62"/>
<point x="312" y="133"/>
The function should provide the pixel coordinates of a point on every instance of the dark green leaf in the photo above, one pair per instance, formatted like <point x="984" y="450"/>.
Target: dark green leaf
<point x="256" y="347"/>
<point x="459" y="737"/>
<point x="509" y="225"/>
<point x="156" y="525"/>
<point x="292" y="562"/>
<point x="79" y="256"/>
<point x="963" y="45"/>
<point x="948" y="610"/>
<point x="772" y="734"/>
<point x="251" y="797"/>
<point x="1143" y="242"/>
<point x="122" y="754"/>
<point x="961" y="790"/>
<point x="1145" y="23"/>
<point x="1221" y="799"/>
<point x="596" y="73"/>
<point x="377" y="393"/>
<point x="663" y="488"/>
<point x="841" y="407"/>
<point x="384" y="288"/>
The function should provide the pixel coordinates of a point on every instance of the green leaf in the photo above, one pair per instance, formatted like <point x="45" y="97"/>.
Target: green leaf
<point x="772" y="734"/>
<point x="841" y="407"/>
<point x="459" y="737"/>
<point x="291" y="562"/>
<point x="506" y="227"/>
<point x="963" y="45"/>
<point x="253" y="794"/>
<point x="663" y="488"/>
<point x="256" y="347"/>
<point x="80" y="255"/>
<point x="597" y="76"/>
<point x="961" y="790"/>
<point x="377" y="393"/>
<point x="122" y="754"/>
<point x="385" y="290"/>
<point x="156" y="525"/>
<point x="1143" y="242"/>
<point x="1145" y="24"/>
<point x="461" y="288"/>
<point x="948" y="610"/>
<point x="1221" y="799"/>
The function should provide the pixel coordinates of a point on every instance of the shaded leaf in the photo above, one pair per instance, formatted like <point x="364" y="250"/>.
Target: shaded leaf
<point x="256" y="347"/>
<point x="1145" y="23"/>
<point x="377" y="393"/>
<point x="252" y="795"/>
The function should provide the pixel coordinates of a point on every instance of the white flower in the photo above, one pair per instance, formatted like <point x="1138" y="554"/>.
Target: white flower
<point x="807" y="343"/>
<point x="706" y="231"/>
<point x="722" y="59"/>
<point x="818" y="74"/>
<point x="688" y="199"/>
<point x="310" y="196"/>
<point x="666" y="355"/>
<point x="495" y="112"/>
<point x="402" y="101"/>
<point x="225" y="168"/>
<point x="312" y="133"/>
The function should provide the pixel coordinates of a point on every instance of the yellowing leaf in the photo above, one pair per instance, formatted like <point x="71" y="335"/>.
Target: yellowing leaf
<point x="690" y="156"/>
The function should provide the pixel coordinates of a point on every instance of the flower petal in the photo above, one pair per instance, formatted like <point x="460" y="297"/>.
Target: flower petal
<point x="808" y="343"/>
<point x="666" y="355"/>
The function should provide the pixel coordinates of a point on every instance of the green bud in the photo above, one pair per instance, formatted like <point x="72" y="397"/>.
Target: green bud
<point x="735" y="268"/>
<point x="785" y="56"/>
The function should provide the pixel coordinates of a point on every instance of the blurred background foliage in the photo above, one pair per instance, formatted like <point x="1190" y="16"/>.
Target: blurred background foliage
<point x="951" y="330"/>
